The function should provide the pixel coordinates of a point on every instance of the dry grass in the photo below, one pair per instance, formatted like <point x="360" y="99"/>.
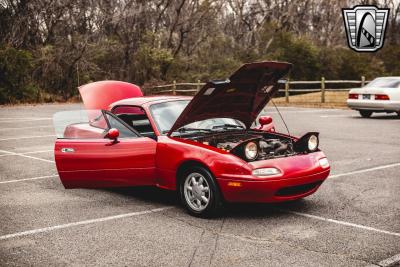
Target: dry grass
<point x="333" y="99"/>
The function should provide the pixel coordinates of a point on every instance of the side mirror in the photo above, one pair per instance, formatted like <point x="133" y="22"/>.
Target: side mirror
<point x="264" y="120"/>
<point x="113" y="133"/>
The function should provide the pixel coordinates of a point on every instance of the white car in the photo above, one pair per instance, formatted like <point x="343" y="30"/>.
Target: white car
<point x="380" y="95"/>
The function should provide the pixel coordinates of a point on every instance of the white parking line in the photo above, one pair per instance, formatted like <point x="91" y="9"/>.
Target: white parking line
<point x="67" y="225"/>
<point x="28" y="179"/>
<point x="297" y="111"/>
<point x="392" y="261"/>
<point x="26" y="153"/>
<point x="27" y="137"/>
<point x="28" y="127"/>
<point x="366" y="170"/>
<point x="39" y="151"/>
<point x="368" y="228"/>
<point x="337" y="116"/>
<point x="25" y="156"/>
<point x="342" y="222"/>
<point x="24" y="119"/>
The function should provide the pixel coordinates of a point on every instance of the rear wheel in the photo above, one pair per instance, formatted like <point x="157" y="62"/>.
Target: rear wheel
<point x="199" y="192"/>
<point x="365" y="113"/>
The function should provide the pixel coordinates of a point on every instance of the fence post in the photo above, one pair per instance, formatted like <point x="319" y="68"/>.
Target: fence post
<point x="174" y="88"/>
<point x="322" y="89"/>
<point x="198" y="85"/>
<point x="287" y="91"/>
<point x="362" y="81"/>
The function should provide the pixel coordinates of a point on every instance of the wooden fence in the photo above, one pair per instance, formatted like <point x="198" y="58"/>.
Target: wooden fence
<point x="193" y="88"/>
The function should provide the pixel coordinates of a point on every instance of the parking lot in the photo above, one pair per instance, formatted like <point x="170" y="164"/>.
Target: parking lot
<point x="353" y="220"/>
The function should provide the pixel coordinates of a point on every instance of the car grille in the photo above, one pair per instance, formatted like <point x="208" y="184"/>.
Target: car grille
<point x="298" y="189"/>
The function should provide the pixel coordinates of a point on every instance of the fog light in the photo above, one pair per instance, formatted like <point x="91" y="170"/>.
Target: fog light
<point x="266" y="172"/>
<point x="324" y="163"/>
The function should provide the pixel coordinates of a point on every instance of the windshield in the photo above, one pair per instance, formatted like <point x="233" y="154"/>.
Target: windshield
<point x="385" y="83"/>
<point x="165" y="115"/>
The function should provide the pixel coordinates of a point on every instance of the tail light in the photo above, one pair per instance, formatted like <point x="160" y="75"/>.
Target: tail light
<point x="353" y="96"/>
<point x="382" y="97"/>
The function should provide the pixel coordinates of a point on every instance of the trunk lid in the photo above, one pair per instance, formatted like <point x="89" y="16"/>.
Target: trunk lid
<point x="100" y="95"/>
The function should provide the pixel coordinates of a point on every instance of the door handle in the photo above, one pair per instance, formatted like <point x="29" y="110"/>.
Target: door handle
<point x="67" y="150"/>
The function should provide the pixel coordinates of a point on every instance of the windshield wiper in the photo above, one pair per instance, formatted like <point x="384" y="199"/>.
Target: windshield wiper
<point x="227" y="125"/>
<point x="185" y="129"/>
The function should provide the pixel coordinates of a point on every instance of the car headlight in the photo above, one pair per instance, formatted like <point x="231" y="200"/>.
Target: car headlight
<point x="312" y="143"/>
<point x="266" y="172"/>
<point x="251" y="151"/>
<point x="307" y="143"/>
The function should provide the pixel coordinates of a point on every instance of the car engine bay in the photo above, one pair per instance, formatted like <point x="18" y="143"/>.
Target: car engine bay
<point x="269" y="145"/>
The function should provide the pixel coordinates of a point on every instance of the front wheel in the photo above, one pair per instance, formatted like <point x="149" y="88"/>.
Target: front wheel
<point x="365" y="113"/>
<point x="199" y="192"/>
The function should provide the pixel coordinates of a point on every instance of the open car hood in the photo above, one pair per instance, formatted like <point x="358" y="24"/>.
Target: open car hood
<point x="100" y="95"/>
<point x="240" y="97"/>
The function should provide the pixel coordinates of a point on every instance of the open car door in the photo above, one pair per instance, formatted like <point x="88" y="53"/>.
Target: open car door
<point x="87" y="158"/>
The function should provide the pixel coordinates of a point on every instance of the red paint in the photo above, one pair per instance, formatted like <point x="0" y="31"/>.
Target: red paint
<point x="99" y="95"/>
<point x="266" y="124"/>
<point x="100" y="162"/>
<point x="129" y="162"/>
<point x="264" y="120"/>
<point x="112" y="133"/>
<point x="296" y="170"/>
<point x="96" y="163"/>
<point x="83" y="131"/>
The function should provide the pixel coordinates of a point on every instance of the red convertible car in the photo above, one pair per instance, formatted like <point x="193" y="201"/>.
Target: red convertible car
<point x="204" y="147"/>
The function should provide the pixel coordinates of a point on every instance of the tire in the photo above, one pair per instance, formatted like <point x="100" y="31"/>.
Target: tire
<point x="398" y="114"/>
<point x="198" y="200"/>
<point x="365" y="113"/>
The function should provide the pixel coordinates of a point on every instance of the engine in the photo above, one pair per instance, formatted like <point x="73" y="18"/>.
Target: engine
<point x="263" y="145"/>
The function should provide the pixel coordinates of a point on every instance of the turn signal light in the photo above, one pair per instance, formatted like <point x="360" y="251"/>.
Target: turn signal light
<point x="382" y="97"/>
<point x="324" y="163"/>
<point x="235" y="184"/>
<point x="353" y="96"/>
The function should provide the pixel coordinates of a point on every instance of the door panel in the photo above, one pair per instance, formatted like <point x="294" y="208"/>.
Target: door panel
<point x="95" y="163"/>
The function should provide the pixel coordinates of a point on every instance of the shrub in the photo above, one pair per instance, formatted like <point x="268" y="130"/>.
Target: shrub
<point x="15" y="76"/>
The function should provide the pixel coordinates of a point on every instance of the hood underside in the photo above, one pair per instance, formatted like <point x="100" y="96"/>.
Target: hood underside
<point x="240" y="97"/>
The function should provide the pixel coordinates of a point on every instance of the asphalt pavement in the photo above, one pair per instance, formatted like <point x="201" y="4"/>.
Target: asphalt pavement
<point x="352" y="220"/>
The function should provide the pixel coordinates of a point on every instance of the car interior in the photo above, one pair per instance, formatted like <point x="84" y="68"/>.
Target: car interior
<point x="136" y="118"/>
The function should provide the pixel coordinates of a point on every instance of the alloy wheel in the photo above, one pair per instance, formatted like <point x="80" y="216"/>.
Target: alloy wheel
<point x="196" y="191"/>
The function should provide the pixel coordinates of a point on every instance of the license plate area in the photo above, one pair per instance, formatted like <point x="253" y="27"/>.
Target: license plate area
<point x="366" y="96"/>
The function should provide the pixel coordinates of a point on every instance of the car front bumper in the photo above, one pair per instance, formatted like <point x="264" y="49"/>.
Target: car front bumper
<point x="374" y="105"/>
<point x="301" y="176"/>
